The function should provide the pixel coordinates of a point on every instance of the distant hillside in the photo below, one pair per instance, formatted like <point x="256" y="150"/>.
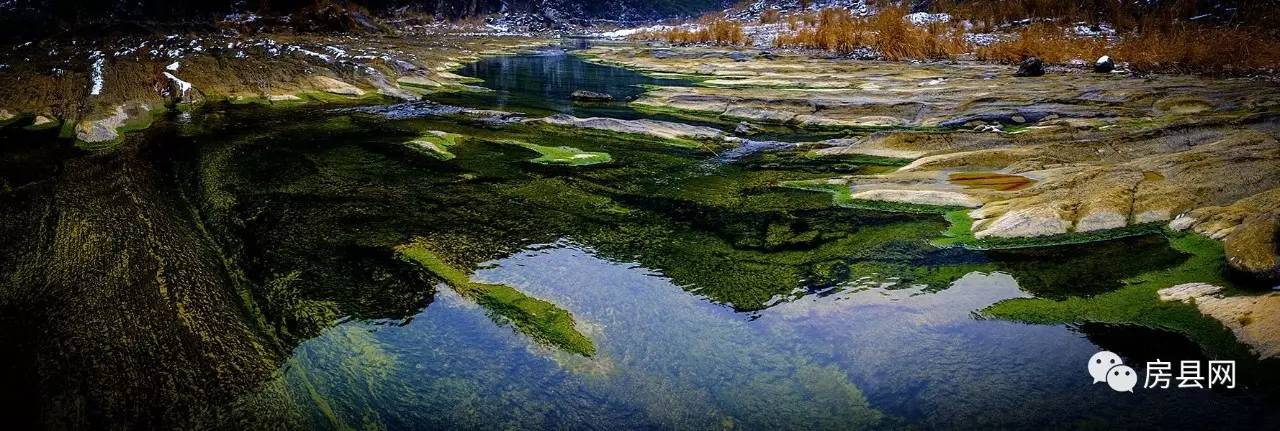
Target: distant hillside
<point x="17" y="15"/>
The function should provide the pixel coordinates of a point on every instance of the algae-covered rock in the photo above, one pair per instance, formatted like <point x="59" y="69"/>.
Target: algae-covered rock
<point x="1248" y="229"/>
<point x="43" y="122"/>
<point x="661" y="129"/>
<point x="419" y="82"/>
<point x="1023" y="223"/>
<point x="335" y="86"/>
<point x="102" y="130"/>
<point x="539" y="319"/>
<point x="1252" y="247"/>
<point x="435" y="143"/>
<point x="918" y="197"/>
<point x="591" y="96"/>
<point x="1254" y="319"/>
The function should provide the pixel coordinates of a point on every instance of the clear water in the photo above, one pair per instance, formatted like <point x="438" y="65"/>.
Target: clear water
<point x="868" y="353"/>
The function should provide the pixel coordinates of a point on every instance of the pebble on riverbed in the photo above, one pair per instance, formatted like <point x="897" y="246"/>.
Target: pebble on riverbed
<point x="591" y="96"/>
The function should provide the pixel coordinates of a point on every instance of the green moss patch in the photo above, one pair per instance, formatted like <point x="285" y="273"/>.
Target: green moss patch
<point x="435" y="144"/>
<point x="1137" y="303"/>
<point x="842" y="195"/>
<point x="563" y="155"/>
<point x="960" y="233"/>
<point x="539" y="319"/>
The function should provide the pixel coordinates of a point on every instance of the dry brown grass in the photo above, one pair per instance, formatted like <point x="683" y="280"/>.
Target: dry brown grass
<point x="1050" y="42"/>
<point x="1189" y="48"/>
<point x="1185" y="48"/>
<point x="1124" y="15"/>
<point x="715" y="31"/>
<point x="770" y="16"/>
<point x="1156" y="42"/>
<point x="887" y="33"/>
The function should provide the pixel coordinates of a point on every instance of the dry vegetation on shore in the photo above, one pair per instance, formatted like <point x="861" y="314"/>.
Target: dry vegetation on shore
<point x="1150" y="38"/>
<point x="717" y="31"/>
<point x="887" y="33"/>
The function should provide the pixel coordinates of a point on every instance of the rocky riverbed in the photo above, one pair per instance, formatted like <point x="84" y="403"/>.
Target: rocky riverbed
<point x="1106" y="152"/>
<point x="95" y="89"/>
<point x="319" y="231"/>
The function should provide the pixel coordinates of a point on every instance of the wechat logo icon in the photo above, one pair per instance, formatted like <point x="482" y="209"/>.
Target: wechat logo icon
<point x="1107" y="367"/>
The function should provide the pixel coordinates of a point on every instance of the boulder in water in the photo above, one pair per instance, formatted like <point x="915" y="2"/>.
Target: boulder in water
<point x="1104" y="65"/>
<point x="744" y="129"/>
<point x="591" y="96"/>
<point x="1032" y="66"/>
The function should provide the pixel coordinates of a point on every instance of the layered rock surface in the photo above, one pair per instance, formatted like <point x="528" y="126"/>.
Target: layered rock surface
<point x="1100" y="151"/>
<point x="1255" y="320"/>
<point x="110" y="84"/>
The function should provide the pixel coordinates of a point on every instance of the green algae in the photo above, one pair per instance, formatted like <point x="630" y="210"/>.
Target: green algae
<point x="563" y="155"/>
<point x="303" y="98"/>
<point x="960" y="233"/>
<point x="842" y="195"/>
<point x="435" y="144"/>
<point x="1137" y="303"/>
<point x="135" y="123"/>
<point x="539" y="319"/>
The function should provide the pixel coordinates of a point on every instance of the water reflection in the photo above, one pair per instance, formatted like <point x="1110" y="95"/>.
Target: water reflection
<point x="543" y="83"/>
<point x="863" y="359"/>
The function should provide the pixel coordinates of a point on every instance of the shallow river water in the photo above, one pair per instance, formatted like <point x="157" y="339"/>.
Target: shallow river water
<point x="713" y="298"/>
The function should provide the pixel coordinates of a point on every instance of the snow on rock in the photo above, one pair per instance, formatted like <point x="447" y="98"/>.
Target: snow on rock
<point x="183" y="86"/>
<point x="925" y="18"/>
<point x="172" y="67"/>
<point x="98" y="62"/>
<point x="325" y="58"/>
<point x="982" y="39"/>
<point x="626" y="32"/>
<point x="1085" y="30"/>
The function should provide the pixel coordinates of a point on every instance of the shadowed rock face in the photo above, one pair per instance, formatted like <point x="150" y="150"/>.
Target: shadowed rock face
<point x="129" y="298"/>
<point x="1105" y="152"/>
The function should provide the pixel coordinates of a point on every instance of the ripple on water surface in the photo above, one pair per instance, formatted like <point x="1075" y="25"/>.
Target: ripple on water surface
<point x="862" y="358"/>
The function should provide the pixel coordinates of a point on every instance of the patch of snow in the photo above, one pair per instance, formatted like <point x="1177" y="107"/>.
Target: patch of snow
<point x="626" y="32"/>
<point x="240" y="18"/>
<point x="1085" y="30"/>
<point x="98" y="62"/>
<point x="183" y="86"/>
<point x="326" y="58"/>
<point x="128" y="51"/>
<point x="925" y="18"/>
<point x="172" y="67"/>
<point x="982" y="39"/>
